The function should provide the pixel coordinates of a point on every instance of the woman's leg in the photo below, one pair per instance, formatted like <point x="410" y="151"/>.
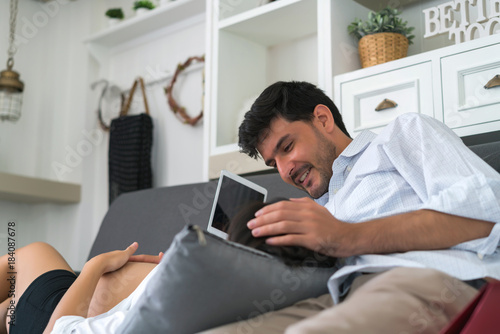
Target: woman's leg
<point x="34" y="260"/>
<point x="24" y="267"/>
<point x="3" y="315"/>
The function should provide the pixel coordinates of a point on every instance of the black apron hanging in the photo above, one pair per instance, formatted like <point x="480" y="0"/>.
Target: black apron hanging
<point x="130" y="143"/>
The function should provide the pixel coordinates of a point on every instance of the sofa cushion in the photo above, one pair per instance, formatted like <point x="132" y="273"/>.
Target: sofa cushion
<point x="204" y="282"/>
<point x="489" y="152"/>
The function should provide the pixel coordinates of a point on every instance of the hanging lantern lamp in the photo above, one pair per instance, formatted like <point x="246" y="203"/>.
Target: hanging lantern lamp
<point x="11" y="88"/>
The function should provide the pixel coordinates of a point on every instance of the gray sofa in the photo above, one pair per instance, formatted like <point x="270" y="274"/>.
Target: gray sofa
<point x="153" y="217"/>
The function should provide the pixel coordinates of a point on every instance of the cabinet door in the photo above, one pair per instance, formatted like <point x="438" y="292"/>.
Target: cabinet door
<point x="409" y="87"/>
<point x="466" y="101"/>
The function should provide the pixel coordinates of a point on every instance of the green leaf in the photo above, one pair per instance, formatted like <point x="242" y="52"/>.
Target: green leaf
<point x="385" y="20"/>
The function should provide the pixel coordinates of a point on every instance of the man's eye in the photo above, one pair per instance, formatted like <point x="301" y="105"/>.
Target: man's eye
<point x="288" y="147"/>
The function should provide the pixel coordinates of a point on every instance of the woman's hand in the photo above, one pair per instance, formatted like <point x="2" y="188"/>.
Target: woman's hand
<point x="147" y="258"/>
<point x="114" y="260"/>
<point x="76" y="300"/>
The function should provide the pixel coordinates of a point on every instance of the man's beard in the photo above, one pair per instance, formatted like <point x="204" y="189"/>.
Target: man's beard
<point x="325" y="156"/>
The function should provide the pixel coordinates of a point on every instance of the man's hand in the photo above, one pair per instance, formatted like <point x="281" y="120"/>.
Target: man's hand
<point x="303" y="222"/>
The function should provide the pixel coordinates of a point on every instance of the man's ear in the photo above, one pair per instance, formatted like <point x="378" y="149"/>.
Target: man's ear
<point x="324" y="118"/>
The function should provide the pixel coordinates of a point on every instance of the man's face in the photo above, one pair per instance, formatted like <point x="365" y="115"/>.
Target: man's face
<point x="302" y="154"/>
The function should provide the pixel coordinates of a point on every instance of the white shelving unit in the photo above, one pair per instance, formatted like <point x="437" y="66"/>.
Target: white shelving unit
<point x="172" y="15"/>
<point x="253" y="24"/>
<point x="379" y="4"/>
<point x="251" y="47"/>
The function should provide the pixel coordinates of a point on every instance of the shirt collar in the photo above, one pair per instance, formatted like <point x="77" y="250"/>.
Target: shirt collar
<point x="358" y="144"/>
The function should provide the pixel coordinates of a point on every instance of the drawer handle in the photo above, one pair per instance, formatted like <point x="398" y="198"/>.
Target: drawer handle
<point x="495" y="82"/>
<point x="386" y="104"/>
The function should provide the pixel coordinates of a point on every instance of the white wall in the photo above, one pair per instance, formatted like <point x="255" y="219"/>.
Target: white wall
<point x="59" y="107"/>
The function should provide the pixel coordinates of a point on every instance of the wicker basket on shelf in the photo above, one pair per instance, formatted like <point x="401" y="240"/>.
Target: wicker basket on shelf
<point x="382" y="47"/>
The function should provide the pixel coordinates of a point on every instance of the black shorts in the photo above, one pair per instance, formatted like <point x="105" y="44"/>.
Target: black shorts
<point x="38" y="302"/>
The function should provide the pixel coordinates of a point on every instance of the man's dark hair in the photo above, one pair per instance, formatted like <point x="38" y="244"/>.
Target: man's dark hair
<point x="294" y="101"/>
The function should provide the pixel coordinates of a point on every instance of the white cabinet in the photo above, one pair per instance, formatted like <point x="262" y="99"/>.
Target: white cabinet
<point x="407" y="89"/>
<point x="466" y="100"/>
<point x="446" y="83"/>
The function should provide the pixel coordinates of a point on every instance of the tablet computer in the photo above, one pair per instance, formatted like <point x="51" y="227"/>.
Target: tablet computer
<point x="233" y="193"/>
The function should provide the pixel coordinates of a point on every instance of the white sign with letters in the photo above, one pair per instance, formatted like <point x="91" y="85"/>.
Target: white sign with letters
<point x="463" y="20"/>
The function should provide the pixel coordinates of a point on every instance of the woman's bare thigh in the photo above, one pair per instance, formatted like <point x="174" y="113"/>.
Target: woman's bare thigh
<point x="115" y="286"/>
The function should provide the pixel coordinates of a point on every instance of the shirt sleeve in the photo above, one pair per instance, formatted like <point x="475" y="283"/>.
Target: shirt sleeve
<point x="105" y="323"/>
<point x="446" y="175"/>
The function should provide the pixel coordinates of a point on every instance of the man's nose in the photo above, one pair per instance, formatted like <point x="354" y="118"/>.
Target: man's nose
<point x="285" y="169"/>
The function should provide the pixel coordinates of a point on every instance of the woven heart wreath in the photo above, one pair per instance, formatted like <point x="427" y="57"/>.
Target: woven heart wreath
<point x="178" y="110"/>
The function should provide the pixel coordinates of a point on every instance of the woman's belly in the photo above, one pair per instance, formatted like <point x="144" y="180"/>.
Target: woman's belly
<point x="115" y="286"/>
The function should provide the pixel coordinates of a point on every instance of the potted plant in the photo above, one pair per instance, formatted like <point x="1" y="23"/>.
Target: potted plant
<point x="114" y="15"/>
<point x="382" y="38"/>
<point x="143" y="6"/>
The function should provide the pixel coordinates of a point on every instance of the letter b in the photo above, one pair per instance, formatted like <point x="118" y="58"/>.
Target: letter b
<point x="432" y="24"/>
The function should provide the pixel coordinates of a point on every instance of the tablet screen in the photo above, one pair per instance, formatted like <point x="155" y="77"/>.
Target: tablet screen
<point x="232" y="195"/>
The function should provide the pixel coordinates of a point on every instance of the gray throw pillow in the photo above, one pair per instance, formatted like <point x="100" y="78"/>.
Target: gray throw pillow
<point x="204" y="282"/>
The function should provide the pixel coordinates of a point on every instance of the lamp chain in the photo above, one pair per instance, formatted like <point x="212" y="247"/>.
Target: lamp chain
<point x="12" y="48"/>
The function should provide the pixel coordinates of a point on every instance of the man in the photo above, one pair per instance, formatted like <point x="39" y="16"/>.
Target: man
<point x="413" y="211"/>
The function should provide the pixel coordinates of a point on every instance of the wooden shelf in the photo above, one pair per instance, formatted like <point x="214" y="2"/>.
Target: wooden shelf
<point x="264" y="24"/>
<point x="160" y="17"/>
<point x="33" y="190"/>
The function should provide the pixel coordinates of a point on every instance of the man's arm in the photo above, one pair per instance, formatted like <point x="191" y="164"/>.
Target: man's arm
<point x="76" y="300"/>
<point x="303" y="222"/>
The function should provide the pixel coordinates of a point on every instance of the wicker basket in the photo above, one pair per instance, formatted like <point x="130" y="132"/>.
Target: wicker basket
<point x="381" y="48"/>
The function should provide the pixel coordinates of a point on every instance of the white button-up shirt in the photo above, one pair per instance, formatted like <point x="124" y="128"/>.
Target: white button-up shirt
<point x="415" y="163"/>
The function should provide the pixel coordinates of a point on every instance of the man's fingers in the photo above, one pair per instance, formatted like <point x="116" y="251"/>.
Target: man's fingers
<point x="301" y="199"/>
<point x="292" y="214"/>
<point x="279" y="228"/>
<point x="278" y="206"/>
<point x="287" y="240"/>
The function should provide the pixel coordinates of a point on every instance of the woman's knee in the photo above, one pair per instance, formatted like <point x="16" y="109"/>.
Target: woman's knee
<point x="37" y="246"/>
<point x="41" y="257"/>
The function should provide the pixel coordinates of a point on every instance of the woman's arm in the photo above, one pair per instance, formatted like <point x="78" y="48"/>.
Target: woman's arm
<point x="77" y="299"/>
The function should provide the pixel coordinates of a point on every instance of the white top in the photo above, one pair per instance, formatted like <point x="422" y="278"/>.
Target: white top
<point x="416" y="162"/>
<point x="104" y="323"/>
